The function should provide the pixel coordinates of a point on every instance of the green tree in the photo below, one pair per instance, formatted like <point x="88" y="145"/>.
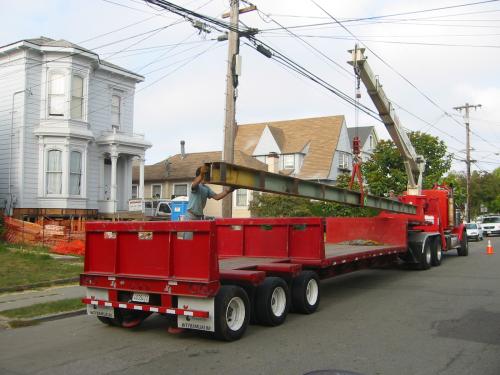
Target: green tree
<point x="385" y="170"/>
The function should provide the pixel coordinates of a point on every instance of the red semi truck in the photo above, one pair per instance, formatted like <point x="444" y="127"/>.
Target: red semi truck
<point x="218" y="275"/>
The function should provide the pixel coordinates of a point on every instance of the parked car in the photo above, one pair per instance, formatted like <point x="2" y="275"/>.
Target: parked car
<point x="491" y="225"/>
<point x="152" y="208"/>
<point x="474" y="231"/>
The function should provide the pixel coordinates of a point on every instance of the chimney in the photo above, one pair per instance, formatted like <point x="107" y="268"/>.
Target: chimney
<point x="183" y="151"/>
<point x="272" y="161"/>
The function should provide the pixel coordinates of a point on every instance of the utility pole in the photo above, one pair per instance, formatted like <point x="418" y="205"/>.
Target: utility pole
<point x="233" y="71"/>
<point x="231" y="94"/>
<point x="468" y="160"/>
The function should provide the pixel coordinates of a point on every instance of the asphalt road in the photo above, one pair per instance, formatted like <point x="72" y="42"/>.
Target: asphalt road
<point x="389" y="321"/>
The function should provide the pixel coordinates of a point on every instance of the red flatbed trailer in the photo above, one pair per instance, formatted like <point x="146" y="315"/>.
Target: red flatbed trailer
<point x="214" y="275"/>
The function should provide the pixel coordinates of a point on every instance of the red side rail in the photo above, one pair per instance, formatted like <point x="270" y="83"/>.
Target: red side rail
<point x="298" y="238"/>
<point x="383" y="230"/>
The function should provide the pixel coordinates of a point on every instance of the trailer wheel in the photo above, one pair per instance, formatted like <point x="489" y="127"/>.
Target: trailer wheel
<point x="128" y="318"/>
<point x="463" y="249"/>
<point x="425" y="259"/>
<point x="437" y="252"/>
<point x="272" y="301"/>
<point x="305" y="292"/>
<point x="232" y="313"/>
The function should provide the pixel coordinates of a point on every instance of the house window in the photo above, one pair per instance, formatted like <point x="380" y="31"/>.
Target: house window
<point x="371" y="142"/>
<point x="56" y="94"/>
<point x="75" y="173"/>
<point x="343" y="160"/>
<point x="116" y="111"/>
<point x="156" y="191"/>
<point x="54" y="172"/>
<point x="241" y="197"/>
<point x="77" y="98"/>
<point x="289" y="161"/>
<point x="135" y="191"/>
<point x="180" y="190"/>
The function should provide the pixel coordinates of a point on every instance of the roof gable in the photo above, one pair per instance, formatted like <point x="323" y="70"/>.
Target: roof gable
<point x="363" y="132"/>
<point x="319" y="136"/>
<point x="267" y="143"/>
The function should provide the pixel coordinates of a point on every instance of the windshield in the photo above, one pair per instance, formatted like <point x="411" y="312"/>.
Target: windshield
<point x="471" y="226"/>
<point x="495" y="219"/>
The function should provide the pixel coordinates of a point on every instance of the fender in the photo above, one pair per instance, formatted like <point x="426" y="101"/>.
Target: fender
<point x="416" y="242"/>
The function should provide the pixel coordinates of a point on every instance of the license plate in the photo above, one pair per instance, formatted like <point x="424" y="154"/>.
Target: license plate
<point x="107" y="312"/>
<point x="140" y="297"/>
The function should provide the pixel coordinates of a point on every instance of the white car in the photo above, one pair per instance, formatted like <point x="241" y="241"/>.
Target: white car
<point x="491" y="225"/>
<point x="474" y="231"/>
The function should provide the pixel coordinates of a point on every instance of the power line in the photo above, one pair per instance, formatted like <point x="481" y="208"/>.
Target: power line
<point x="396" y="42"/>
<point x="398" y="14"/>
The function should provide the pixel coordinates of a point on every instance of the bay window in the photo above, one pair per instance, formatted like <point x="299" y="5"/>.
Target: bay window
<point x="56" y="94"/>
<point x="77" y="98"/>
<point x="54" y="172"/>
<point x="75" y="173"/>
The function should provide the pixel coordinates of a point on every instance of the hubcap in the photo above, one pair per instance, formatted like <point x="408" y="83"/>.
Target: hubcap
<point x="278" y="301"/>
<point x="428" y="255"/>
<point x="439" y="252"/>
<point x="235" y="313"/>
<point x="312" y="292"/>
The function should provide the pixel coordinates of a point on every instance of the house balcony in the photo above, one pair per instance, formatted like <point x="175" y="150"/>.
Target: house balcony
<point x="123" y="139"/>
<point x="64" y="128"/>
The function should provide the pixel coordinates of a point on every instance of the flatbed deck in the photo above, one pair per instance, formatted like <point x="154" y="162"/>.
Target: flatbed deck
<point x="338" y="253"/>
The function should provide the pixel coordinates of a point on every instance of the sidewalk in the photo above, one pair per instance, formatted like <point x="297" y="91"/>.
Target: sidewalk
<point x="28" y="298"/>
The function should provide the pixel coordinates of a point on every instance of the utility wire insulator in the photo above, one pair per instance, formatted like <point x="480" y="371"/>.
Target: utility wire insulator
<point x="264" y="51"/>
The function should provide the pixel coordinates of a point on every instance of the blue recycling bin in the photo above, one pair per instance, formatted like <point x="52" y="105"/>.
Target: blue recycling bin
<point x="179" y="208"/>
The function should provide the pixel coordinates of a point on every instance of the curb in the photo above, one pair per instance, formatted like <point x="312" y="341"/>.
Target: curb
<point x="48" y="318"/>
<point x="57" y="316"/>
<point x="20" y="288"/>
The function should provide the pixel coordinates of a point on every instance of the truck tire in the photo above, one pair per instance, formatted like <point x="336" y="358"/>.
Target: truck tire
<point x="437" y="251"/>
<point x="272" y="301"/>
<point x="463" y="249"/>
<point x="305" y="292"/>
<point x="425" y="258"/>
<point x="232" y="313"/>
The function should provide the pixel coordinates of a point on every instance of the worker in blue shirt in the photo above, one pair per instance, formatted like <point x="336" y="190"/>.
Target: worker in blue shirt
<point x="200" y="193"/>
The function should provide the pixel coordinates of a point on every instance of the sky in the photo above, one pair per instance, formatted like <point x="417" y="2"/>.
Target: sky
<point x="430" y="56"/>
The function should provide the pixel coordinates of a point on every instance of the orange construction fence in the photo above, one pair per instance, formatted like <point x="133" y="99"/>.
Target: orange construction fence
<point x="62" y="236"/>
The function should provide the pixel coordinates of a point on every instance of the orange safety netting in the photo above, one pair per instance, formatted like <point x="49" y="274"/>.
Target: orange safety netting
<point x="60" y="235"/>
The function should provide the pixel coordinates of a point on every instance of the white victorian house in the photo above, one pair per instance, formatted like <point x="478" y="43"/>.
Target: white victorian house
<point x="66" y="130"/>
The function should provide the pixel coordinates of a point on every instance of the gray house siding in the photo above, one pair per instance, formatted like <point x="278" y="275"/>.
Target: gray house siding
<point x="13" y="77"/>
<point x="343" y="146"/>
<point x="35" y="132"/>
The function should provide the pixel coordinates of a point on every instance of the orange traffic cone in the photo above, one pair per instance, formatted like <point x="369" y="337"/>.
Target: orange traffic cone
<point x="489" y="248"/>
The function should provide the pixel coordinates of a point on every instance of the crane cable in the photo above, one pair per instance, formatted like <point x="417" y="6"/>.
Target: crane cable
<point x="356" y="161"/>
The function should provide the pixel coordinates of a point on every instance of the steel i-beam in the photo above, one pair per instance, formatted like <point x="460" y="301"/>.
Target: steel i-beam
<point x="221" y="173"/>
